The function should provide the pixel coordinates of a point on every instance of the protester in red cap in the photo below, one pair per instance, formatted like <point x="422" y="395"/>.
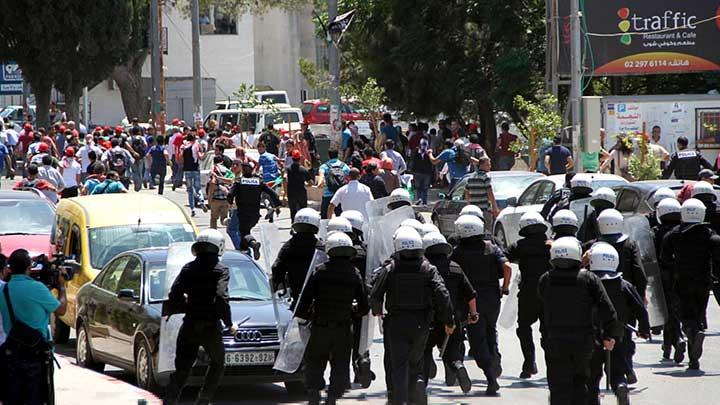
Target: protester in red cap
<point x="389" y="176"/>
<point x="25" y="138"/>
<point x="118" y="130"/>
<point x="297" y="177"/>
<point x="70" y="170"/>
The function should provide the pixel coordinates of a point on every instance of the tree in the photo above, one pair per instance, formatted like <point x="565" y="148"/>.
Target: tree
<point x="539" y="121"/>
<point x="128" y="75"/>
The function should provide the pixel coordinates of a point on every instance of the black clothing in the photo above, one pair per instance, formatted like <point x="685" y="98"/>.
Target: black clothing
<point x="297" y="176"/>
<point x="672" y="331"/>
<point x="631" y="265"/>
<point x="25" y="378"/>
<point x="189" y="162"/>
<point x="271" y="142"/>
<point x="628" y="303"/>
<point x="686" y="164"/>
<point x="376" y="184"/>
<point x="246" y="192"/>
<point x="293" y="262"/>
<point x="421" y="163"/>
<point x="560" y="200"/>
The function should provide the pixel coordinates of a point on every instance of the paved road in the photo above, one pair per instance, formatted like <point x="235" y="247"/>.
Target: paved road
<point x="659" y="383"/>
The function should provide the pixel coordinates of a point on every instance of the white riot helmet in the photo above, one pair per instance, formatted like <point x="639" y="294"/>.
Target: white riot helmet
<point x="532" y="223"/>
<point x="398" y="198"/>
<point x="339" y="244"/>
<point x="668" y="206"/>
<point x="565" y="218"/>
<point x="603" y="197"/>
<point x="604" y="259"/>
<point x="413" y="223"/>
<point x="702" y="190"/>
<point x="566" y="252"/>
<point x="472" y="210"/>
<point x="661" y="194"/>
<point x="339" y="224"/>
<point x="356" y="219"/>
<point x="692" y="211"/>
<point x="467" y="226"/>
<point x="428" y="228"/>
<point x="610" y="222"/>
<point x="209" y="241"/>
<point x="435" y="243"/>
<point x="407" y="241"/>
<point x="581" y="184"/>
<point x="306" y="220"/>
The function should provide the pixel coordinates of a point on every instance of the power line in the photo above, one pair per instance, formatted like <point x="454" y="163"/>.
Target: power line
<point x="684" y="27"/>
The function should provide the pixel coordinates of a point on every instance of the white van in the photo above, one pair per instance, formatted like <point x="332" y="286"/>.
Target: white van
<point x="253" y="120"/>
<point x="278" y="97"/>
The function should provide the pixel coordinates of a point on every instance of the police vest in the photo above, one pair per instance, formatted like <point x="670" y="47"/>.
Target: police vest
<point x="478" y="263"/>
<point x="693" y="255"/>
<point x="687" y="165"/>
<point x="453" y="276"/>
<point x="533" y="261"/>
<point x="337" y="282"/>
<point x="298" y="255"/>
<point x="567" y="304"/>
<point x="616" y="294"/>
<point x="408" y="286"/>
<point x="360" y="260"/>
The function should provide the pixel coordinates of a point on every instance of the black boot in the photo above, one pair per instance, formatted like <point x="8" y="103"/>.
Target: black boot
<point x="420" y="393"/>
<point x="680" y="348"/>
<point x="493" y="387"/>
<point x="695" y="341"/>
<point x="364" y="376"/>
<point x="450" y="375"/>
<point x="666" y="351"/>
<point x="313" y="397"/>
<point x="331" y="399"/>
<point x="462" y="377"/>
<point x="255" y="248"/>
<point x="529" y="369"/>
<point x="622" y="395"/>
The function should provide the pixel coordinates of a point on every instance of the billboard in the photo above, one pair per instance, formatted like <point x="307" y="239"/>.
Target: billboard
<point x="11" y="79"/>
<point x="645" y="36"/>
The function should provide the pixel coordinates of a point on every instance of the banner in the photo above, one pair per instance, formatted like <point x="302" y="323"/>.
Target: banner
<point x="11" y="79"/>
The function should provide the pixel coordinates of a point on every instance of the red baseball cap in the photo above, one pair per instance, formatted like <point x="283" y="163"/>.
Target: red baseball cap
<point x="43" y="147"/>
<point x="70" y="152"/>
<point x="118" y="129"/>
<point x="201" y="132"/>
<point x="107" y="128"/>
<point x="175" y="121"/>
<point x="62" y="129"/>
<point x="296" y="155"/>
<point x="27" y="127"/>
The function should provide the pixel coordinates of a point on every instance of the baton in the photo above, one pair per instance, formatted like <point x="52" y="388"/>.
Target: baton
<point x="447" y="338"/>
<point x="607" y="370"/>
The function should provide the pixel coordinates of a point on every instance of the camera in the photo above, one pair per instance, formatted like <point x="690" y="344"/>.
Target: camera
<point x="48" y="271"/>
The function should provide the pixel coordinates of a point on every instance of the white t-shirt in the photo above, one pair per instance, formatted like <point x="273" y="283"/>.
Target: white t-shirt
<point x="237" y="140"/>
<point x="83" y="154"/>
<point x="2" y="329"/>
<point x="398" y="161"/>
<point x="70" y="173"/>
<point x="353" y="196"/>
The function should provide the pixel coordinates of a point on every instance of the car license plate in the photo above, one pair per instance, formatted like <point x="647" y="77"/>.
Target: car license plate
<point x="249" y="358"/>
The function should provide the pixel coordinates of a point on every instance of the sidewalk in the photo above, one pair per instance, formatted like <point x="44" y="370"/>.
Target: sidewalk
<point x="79" y="386"/>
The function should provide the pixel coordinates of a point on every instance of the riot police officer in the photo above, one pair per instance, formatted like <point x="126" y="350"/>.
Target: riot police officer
<point x="469" y="209"/>
<point x="356" y="221"/>
<point x="564" y="223"/>
<point x="334" y="294"/>
<point x="428" y="228"/>
<point x="668" y="214"/>
<point x="413" y="293"/>
<point x="604" y="198"/>
<point x="685" y="163"/>
<point x="689" y="250"/>
<point x="401" y="198"/>
<point x="200" y="291"/>
<point x="294" y="258"/>
<point x="462" y="294"/>
<point x="572" y="297"/>
<point x="483" y="263"/>
<point x="704" y="192"/>
<point x="659" y="195"/>
<point x="532" y="253"/>
<point x="246" y="192"/>
<point x="604" y="261"/>
<point x="580" y="188"/>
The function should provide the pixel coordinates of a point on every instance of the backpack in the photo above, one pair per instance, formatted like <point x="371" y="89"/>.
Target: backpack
<point x="335" y="177"/>
<point x="137" y="145"/>
<point x="462" y="157"/>
<point x="118" y="162"/>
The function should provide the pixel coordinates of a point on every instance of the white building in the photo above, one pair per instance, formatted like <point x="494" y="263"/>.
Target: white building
<point x="262" y="50"/>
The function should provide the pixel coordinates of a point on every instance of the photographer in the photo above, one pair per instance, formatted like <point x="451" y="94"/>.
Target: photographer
<point x="26" y="305"/>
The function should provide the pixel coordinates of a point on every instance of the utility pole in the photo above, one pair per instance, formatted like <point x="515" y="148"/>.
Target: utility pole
<point x="576" y="82"/>
<point x="334" y="72"/>
<point x="155" y="66"/>
<point x="197" y="75"/>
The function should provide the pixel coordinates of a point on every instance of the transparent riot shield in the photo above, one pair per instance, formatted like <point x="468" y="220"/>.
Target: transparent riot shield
<point x="376" y="208"/>
<point x="379" y="248"/>
<point x="322" y="231"/>
<point x="179" y="254"/>
<point x="292" y="348"/>
<point x="266" y="233"/>
<point x="509" y="306"/>
<point x="582" y="209"/>
<point x="638" y="229"/>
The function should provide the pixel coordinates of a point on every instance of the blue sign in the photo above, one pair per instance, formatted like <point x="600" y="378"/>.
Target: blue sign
<point x="11" y="79"/>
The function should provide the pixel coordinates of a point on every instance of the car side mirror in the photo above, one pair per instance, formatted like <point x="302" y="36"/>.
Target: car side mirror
<point x="512" y="202"/>
<point x="126" y="294"/>
<point x="442" y="196"/>
<point x="456" y="198"/>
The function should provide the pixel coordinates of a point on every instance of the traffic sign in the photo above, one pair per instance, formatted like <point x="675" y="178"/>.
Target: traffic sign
<point x="11" y="79"/>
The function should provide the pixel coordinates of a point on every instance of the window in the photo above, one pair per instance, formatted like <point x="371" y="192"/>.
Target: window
<point x="281" y="118"/>
<point x="628" y="200"/>
<point x="131" y="277"/>
<point x="107" y="242"/>
<point x="75" y="248"/>
<point x="231" y="119"/>
<point x="708" y="128"/>
<point x="218" y="21"/>
<point x="306" y="108"/>
<point x="528" y="197"/>
<point x="111" y="279"/>
<point x="323" y="108"/>
<point x="274" y="98"/>
<point x="26" y="217"/>
<point x="60" y="234"/>
<point x="248" y="122"/>
<point x="545" y="192"/>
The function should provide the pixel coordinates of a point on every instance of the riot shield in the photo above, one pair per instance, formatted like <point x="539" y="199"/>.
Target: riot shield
<point x="638" y="229"/>
<point x="509" y="307"/>
<point x="292" y="348"/>
<point x="582" y="209"/>
<point x="376" y="208"/>
<point x="179" y="254"/>
<point x="322" y="231"/>
<point x="269" y="246"/>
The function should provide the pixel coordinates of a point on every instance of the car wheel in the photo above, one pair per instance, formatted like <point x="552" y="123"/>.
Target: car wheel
<point x="500" y="236"/>
<point x="295" y="388"/>
<point x="60" y="331"/>
<point x="144" y="371"/>
<point x="83" y="352"/>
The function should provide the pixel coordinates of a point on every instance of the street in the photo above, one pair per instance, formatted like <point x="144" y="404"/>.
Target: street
<point x="659" y="382"/>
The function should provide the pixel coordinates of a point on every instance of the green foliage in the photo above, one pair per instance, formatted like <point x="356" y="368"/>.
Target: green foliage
<point x="370" y="96"/>
<point x="315" y="77"/>
<point x="644" y="165"/>
<point x="539" y="117"/>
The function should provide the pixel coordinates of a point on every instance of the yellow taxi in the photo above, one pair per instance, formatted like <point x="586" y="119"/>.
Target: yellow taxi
<point x="91" y="230"/>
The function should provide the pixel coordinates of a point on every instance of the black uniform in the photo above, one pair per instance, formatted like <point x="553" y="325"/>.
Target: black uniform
<point x="571" y="298"/>
<point x="560" y="200"/>
<point x="532" y="253"/>
<point x="293" y="262"/>
<point x="686" y="164"/>
<point x="246" y="192"/>
<point x="688" y="250"/>
<point x="328" y="300"/>
<point x="482" y="262"/>
<point x="414" y="293"/>
<point x="201" y="292"/>
<point x="361" y="361"/>
<point x="672" y="333"/>
<point x="628" y="305"/>
<point x="461" y="292"/>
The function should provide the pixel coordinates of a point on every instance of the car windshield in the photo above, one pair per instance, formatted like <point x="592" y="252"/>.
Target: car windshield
<point x="606" y="183"/>
<point x="26" y="217"/>
<point x="106" y="243"/>
<point x="247" y="283"/>
<point x="512" y="185"/>
<point x="282" y="118"/>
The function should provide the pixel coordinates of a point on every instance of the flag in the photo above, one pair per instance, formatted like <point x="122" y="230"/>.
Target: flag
<point x="341" y="23"/>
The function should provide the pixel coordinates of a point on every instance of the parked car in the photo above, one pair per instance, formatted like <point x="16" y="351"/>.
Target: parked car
<point x="318" y="112"/>
<point x="93" y="229"/>
<point x="254" y="120"/>
<point x="505" y="184"/>
<point x="16" y="114"/>
<point x="535" y="196"/>
<point x="118" y="320"/>
<point x="637" y="198"/>
<point x="276" y="96"/>
<point x="27" y="222"/>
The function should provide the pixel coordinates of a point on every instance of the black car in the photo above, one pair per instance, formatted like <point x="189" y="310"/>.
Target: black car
<point x="118" y="321"/>
<point x="637" y="198"/>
